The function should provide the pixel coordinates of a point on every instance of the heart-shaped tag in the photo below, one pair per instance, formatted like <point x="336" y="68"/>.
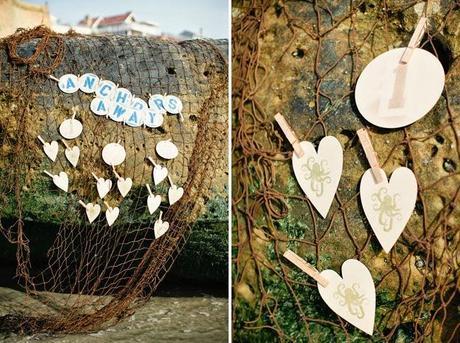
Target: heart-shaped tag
<point x="153" y="202"/>
<point x="61" y="181"/>
<point x="388" y="205"/>
<point x="72" y="155"/>
<point x="318" y="173"/>
<point x="159" y="174"/>
<point x="92" y="211"/>
<point x="353" y="296"/>
<point x="51" y="150"/>
<point x="160" y="227"/>
<point x="174" y="194"/>
<point x="103" y="187"/>
<point x="124" y="185"/>
<point x="111" y="214"/>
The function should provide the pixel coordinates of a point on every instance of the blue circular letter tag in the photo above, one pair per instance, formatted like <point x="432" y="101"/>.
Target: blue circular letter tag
<point x="153" y="119"/>
<point x="106" y="89"/>
<point x="88" y="82"/>
<point x="172" y="104"/>
<point x="100" y="106"/>
<point x="156" y="103"/>
<point x="68" y="83"/>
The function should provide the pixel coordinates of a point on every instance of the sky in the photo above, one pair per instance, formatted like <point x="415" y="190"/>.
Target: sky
<point x="173" y="16"/>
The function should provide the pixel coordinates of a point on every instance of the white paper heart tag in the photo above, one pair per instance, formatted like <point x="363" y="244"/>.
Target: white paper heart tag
<point x="174" y="194"/>
<point x="103" y="186"/>
<point x="153" y="202"/>
<point x="388" y="205"/>
<point x="61" y="180"/>
<point x="124" y="185"/>
<point x="51" y="150"/>
<point x="318" y="173"/>
<point x="111" y="214"/>
<point x="92" y="211"/>
<point x="159" y="174"/>
<point x="351" y="296"/>
<point x="72" y="155"/>
<point x="160" y="227"/>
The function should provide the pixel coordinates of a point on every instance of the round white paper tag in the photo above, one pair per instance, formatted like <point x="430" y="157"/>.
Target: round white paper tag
<point x="167" y="150"/>
<point x="390" y="94"/>
<point x="113" y="154"/>
<point x="70" y="128"/>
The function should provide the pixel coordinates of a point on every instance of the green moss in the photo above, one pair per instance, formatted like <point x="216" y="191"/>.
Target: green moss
<point x="205" y="255"/>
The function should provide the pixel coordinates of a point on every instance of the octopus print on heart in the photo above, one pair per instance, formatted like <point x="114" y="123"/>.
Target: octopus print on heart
<point x="351" y="296"/>
<point x="318" y="173"/>
<point x="388" y="205"/>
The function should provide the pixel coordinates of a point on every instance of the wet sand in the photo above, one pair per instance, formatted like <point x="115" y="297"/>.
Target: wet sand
<point x="202" y="318"/>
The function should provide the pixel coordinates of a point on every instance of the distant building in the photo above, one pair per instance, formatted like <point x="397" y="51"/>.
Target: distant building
<point x="186" y="35"/>
<point x="15" y="14"/>
<point x="122" y="24"/>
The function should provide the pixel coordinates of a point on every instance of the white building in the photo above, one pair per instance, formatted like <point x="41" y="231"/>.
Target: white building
<point x="122" y="24"/>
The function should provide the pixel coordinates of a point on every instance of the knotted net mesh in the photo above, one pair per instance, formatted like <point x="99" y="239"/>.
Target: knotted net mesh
<point x="102" y="273"/>
<point x="302" y="58"/>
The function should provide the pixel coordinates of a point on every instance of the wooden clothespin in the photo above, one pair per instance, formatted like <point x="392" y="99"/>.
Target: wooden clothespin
<point x="415" y="40"/>
<point x="370" y="154"/>
<point x="305" y="267"/>
<point x="115" y="172"/>
<point x="54" y="78"/>
<point x="290" y="134"/>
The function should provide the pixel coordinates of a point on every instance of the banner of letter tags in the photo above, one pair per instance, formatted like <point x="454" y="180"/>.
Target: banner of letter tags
<point x="118" y="104"/>
<point x="412" y="82"/>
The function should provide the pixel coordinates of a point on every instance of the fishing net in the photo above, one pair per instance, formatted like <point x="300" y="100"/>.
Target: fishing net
<point x="96" y="274"/>
<point x="302" y="58"/>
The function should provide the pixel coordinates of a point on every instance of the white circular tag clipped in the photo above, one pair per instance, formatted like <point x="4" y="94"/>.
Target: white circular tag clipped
<point x="172" y="104"/>
<point x="113" y="154"/>
<point x="391" y="94"/>
<point x="88" y="82"/>
<point x="69" y="83"/>
<point x="167" y="149"/>
<point x="156" y="103"/>
<point x="70" y="128"/>
<point x="100" y="106"/>
<point x="122" y="96"/>
<point x="106" y="89"/>
<point x="153" y="119"/>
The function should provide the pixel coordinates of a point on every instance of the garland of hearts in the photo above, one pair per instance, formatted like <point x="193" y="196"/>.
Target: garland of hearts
<point x="120" y="105"/>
